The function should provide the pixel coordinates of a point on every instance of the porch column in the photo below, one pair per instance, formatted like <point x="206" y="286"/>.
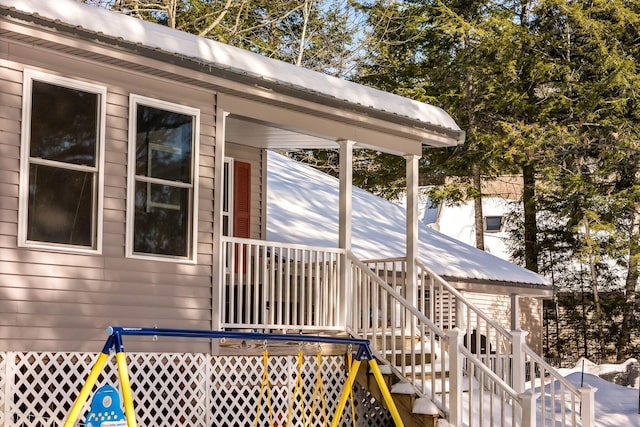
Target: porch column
<point x="515" y="312"/>
<point x="345" y="226"/>
<point x="412" y="228"/>
<point x="218" y="272"/>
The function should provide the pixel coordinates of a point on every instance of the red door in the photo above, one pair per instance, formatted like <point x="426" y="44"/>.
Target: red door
<point x="241" y="206"/>
<point x="242" y="200"/>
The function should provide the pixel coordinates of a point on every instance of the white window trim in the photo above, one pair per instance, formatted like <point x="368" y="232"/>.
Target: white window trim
<point x="484" y="224"/>
<point x="230" y="189"/>
<point x="25" y="145"/>
<point x="134" y="101"/>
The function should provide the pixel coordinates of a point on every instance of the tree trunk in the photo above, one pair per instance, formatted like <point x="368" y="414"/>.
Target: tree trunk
<point x="216" y="21"/>
<point x="530" y="225"/>
<point x="631" y="282"/>
<point x="477" y="206"/>
<point x="583" y="320"/>
<point x="172" y="13"/>
<point x="599" y="320"/>
<point x="306" y="12"/>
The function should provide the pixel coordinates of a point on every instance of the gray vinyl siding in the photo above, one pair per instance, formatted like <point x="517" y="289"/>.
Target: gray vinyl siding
<point x="253" y="156"/>
<point x="52" y="300"/>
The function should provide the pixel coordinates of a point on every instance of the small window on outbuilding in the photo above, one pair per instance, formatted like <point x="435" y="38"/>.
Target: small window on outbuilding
<point x="492" y="224"/>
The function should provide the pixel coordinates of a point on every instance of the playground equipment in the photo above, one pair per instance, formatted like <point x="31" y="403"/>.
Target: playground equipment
<point x="115" y="342"/>
<point x="105" y="408"/>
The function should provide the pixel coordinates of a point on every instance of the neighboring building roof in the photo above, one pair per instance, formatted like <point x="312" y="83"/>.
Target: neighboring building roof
<point x="302" y="207"/>
<point x="118" y="29"/>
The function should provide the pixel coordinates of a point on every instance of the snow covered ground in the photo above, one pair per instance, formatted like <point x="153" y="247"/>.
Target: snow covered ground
<point x="616" y="405"/>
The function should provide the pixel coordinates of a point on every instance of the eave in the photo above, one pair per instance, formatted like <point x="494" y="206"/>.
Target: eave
<point x="278" y="92"/>
<point x="501" y="287"/>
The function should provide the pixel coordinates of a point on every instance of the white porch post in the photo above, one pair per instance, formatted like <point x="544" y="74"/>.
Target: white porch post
<point x="519" y="361"/>
<point x="345" y="227"/>
<point x="515" y="312"/>
<point x="519" y="373"/>
<point x="587" y="395"/>
<point x="455" y="336"/>
<point x="218" y="274"/>
<point x="528" y="409"/>
<point x="412" y="228"/>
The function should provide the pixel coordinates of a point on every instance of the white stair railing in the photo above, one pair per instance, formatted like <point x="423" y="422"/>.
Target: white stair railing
<point x="484" y="401"/>
<point x="405" y="339"/>
<point x="559" y="402"/>
<point x="415" y="349"/>
<point x="483" y="336"/>
<point x="506" y="354"/>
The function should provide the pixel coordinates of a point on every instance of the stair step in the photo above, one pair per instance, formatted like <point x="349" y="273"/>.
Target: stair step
<point x="390" y="342"/>
<point x="410" y="407"/>
<point x="430" y="370"/>
<point x="411" y="360"/>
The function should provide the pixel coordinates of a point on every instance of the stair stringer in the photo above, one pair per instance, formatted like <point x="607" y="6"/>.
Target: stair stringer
<point x="407" y="401"/>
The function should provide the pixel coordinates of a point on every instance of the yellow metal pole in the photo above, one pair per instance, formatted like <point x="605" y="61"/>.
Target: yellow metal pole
<point x="391" y="406"/>
<point x="127" y="397"/>
<point x="353" y="371"/>
<point x="86" y="389"/>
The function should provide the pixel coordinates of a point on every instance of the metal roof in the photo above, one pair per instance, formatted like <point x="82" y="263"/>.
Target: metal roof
<point x="117" y="28"/>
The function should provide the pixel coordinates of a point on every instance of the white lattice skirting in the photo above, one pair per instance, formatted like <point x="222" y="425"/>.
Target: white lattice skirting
<point x="176" y="389"/>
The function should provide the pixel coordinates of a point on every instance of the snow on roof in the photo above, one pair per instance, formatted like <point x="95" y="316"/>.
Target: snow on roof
<point x="302" y="207"/>
<point x="121" y="27"/>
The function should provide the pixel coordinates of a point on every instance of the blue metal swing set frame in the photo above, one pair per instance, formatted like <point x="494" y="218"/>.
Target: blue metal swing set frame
<point x="115" y="342"/>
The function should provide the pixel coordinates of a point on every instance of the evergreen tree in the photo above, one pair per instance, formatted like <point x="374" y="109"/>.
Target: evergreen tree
<point x="547" y="89"/>
<point x="474" y="59"/>
<point x="592" y="177"/>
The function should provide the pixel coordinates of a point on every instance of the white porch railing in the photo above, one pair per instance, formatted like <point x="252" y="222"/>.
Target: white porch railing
<point x="270" y="285"/>
<point x="446" y="347"/>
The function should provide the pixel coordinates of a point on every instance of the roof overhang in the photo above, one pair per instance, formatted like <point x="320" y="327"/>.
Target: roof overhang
<point x="501" y="287"/>
<point x="405" y="124"/>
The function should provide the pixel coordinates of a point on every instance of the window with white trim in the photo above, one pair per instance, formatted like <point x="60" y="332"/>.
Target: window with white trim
<point x="61" y="163"/>
<point x="227" y="198"/>
<point x="163" y="141"/>
<point x="493" y="224"/>
<point x="236" y="198"/>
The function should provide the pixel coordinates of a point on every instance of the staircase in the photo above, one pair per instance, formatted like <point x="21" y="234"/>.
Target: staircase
<point x="410" y="406"/>
<point x="434" y="344"/>
<point x="485" y="375"/>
